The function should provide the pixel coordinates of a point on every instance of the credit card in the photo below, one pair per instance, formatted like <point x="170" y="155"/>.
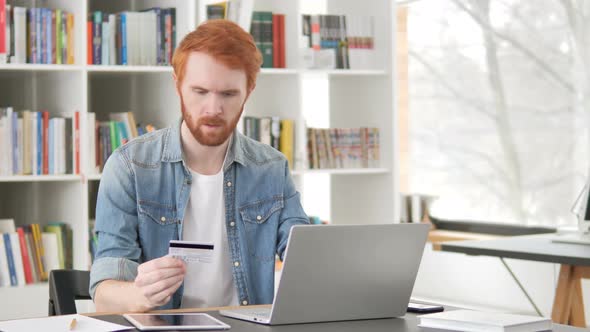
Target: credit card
<point x="191" y="252"/>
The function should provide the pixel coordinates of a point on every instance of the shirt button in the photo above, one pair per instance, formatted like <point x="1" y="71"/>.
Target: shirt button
<point x="245" y="302"/>
<point x="258" y="218"/>
<point x="163" y="219"/>
<point x="236" y="264"/>
<point x="232" y="224"/>
<point x="229" y="183"/>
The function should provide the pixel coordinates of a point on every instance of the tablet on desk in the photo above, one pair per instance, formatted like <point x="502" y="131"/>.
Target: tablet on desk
<point x="184" y="321"/>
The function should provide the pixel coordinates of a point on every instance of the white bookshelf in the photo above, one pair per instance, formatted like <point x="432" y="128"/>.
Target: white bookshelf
<point x="40" y="178"/>
<point x="39" y="67"/>
<point x="345" y="98"/>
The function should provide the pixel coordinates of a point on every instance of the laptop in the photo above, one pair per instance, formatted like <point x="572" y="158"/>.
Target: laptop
<point x="344" y="272"/>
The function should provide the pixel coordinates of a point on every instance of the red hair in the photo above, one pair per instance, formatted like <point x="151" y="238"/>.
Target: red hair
<point x="224" y="40"/>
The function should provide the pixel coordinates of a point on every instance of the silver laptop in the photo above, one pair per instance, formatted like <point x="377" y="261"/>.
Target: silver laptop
<point x="340" y="272"/>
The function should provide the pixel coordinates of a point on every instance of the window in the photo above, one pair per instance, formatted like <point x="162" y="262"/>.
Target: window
<point x="499" y="107"/>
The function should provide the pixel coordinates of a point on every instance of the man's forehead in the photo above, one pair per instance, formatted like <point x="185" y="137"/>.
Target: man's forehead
<point x="204" y="71"/>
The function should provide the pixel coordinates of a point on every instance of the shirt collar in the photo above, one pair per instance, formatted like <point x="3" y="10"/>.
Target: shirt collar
<point x="172" y="151"/>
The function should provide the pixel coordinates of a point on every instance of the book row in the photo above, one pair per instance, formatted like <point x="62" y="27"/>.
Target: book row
<point x="276" y="132"/>
<point x="107" y="136"/>
<point x="145" y="38"/>
<point x="343" y="148"/>
<point x="39" y="143"/>
<point x="338" y="41"/>
<point x="268" y="31"/>
<point x="29" y="252"/>
<point x="36" y="35"/>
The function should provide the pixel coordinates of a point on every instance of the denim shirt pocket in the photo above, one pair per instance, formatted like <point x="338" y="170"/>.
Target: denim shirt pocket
<point x="158" y="223"/>
<point x="161" y="214"/>
<point x="260" y="211"/>
<point x="261" y="220"/>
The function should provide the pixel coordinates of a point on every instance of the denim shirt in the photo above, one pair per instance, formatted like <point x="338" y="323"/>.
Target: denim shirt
<point x="143" y="194"/>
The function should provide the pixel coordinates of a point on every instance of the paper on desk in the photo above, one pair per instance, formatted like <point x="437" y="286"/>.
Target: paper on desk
<point x="59" y="324"/>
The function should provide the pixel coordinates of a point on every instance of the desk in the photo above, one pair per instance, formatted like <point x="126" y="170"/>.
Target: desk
<point x="406" y="324"/>
<point x="568" y="305"/>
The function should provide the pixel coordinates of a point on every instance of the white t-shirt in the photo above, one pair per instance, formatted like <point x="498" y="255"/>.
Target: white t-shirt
<point x="208" y="284"/>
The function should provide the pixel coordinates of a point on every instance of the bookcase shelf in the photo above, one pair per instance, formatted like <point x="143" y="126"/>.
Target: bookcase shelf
<point x="279" y="71"/>
<point x="336" y="171"/>
<point x="346" y="72"/>
<point x="318" y="98"/>
<point x="93" y="177"/>
<point x="40" y="178"/>
<point x="38" y="67"/>
<point x="344" y="171"/>
<point x="129" y="69"/>
<point x="263" y="71"/>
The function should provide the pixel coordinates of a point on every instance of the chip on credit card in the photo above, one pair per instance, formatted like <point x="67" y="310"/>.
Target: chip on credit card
<point x="191" y="252"/>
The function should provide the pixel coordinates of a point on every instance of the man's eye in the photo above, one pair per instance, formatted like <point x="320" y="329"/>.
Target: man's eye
<point x="199" y="91"/>
<point x="229" y="94"/>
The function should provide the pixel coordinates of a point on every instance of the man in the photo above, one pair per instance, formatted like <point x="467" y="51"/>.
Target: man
<point x="199" y="180"/>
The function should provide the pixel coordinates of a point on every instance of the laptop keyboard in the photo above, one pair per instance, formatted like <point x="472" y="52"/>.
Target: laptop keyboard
<point x="258" y="312"/>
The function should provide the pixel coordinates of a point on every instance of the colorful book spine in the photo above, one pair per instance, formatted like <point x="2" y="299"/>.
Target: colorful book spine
<point x="45" y="138"/>
<point x="25" y="255"/>
<point x="39" y="136"/>
<point x="76" y="142"/>
<point x="3" y="33"/>
<point x="10" y="259"/>
<point x="4" y="269"/>
<point x="18" y="261"/>
<point x="70" y="38"/>
<point x="97" y="38"/>
<point x="124" y="38"/>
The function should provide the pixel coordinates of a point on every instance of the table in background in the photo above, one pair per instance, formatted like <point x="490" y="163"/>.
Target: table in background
<point x="568" y="304"/>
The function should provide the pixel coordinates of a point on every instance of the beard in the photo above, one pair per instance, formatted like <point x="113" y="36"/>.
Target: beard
<point x="197" y="127"/>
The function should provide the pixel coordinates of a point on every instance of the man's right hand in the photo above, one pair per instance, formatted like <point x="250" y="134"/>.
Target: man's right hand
<point x="158" y="279"/>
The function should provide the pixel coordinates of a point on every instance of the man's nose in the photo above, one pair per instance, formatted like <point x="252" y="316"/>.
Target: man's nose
<point x="214" y="104"/>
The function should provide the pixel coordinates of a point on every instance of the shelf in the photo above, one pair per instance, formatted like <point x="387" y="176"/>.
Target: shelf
<point x="93" y="177"/>
<point x="278" y="71"/>
<point x="345" y="72"/>
<point x="40" y="178"/>
<point x="344" y="171"/>
<point x="38" y="67"/>
<point x="24" y="301"/>
<point x="263" y="71"/>
<point x="38" y="286"/>
<point x="128" y="69"/>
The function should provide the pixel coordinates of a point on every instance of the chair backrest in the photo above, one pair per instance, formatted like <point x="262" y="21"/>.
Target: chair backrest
<point x="65" y="287"/>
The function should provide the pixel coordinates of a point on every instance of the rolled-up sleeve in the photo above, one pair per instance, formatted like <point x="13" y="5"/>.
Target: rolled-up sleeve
<point x="292" y="213"/>
<point x="118" y="252"/>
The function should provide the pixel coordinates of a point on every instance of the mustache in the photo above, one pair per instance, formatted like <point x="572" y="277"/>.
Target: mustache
<point x="211" y="120"/>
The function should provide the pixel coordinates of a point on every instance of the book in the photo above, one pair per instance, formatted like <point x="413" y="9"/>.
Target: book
<point x="3" y="33"/>
<point x="475" y="321"/>
<point x="4" y="269"/>
<point x="20" y="35"/>
<point x="287" y="140"/>
<point x="18" y="261"/>
<point x="28" y="235"/>
<point x="25" y="256"/>
<point x="10" y="258"/>
<point x="59" y="231"/>
<point x="7" y="226"/>
<point x="37" y="245"/>
<point x="51" y="256"/>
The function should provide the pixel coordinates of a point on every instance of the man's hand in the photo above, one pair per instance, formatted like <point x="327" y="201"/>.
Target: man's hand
<point x="158" y="279"/>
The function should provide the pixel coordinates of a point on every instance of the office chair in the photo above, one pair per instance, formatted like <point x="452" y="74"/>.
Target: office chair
<point x="65" y="287"/>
